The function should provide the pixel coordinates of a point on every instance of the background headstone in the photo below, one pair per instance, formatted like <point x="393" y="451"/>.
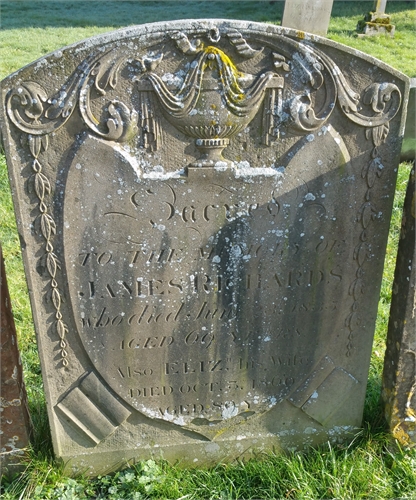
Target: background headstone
<point x="303" y="15"/>
<point x="15" y="423"/>
<point x="399" y="375"/>
<point x="205" y="208"/>
<point x="377" y="22"/>
<point x="408" y="152"/>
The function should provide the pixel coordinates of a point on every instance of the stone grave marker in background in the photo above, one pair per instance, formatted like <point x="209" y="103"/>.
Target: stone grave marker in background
<point x="204" y="207"/>
<point x="408" y="152"/>
<point x="304" y="15"/>
<point x="377" y="22"/>
<point x="399" y="375"/>
<point x="15" y="422"/>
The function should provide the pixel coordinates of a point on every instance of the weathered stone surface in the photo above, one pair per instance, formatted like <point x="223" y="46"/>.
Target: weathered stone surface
<point x="312" y="17"/>
<point x="204" y="207"/>
<point x="399" y="375"/>
<point x="408" y="152"/>
<point x="15" y="423"/>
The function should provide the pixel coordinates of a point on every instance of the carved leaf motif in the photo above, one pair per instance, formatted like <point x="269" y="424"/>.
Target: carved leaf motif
<point x="356" y="289"/>
<point x="379" y="134"/>
<point x="366" y="214"/>
<point x="372" y="171"/>
<point x="106" y="71"/>
<point x="56" y="298"/>
<point x="63" y="103"/>
<point x="361" y="253"/>
<point x="45" y="142"/>
<point x="123" y="123"/>
<point x="47" y="226"/>
<point x="350" y="319"/>
<point x="42" y="185"/>
<point x="51" y="264"/>
<point x="62" y="330"/>
<point x="37" y="144"/>
<point x="347" y="97"/>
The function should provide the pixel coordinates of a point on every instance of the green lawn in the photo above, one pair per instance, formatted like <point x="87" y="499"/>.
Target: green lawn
<point x="370" y="467"/>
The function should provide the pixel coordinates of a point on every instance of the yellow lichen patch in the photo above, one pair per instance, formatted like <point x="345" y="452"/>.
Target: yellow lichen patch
<point x="403" y="426"/>
<point x="300" y="34"/>
<point x="401" y="433"/>
<point x="228" y="71"/>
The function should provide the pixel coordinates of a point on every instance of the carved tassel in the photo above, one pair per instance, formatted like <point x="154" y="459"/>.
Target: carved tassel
<point x="151" y="131"/>
<point x="268" y="116"/>
<point x="272" y="115"/>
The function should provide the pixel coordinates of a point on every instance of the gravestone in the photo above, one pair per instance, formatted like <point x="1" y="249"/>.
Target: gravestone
<point x="408" y="152"/>
<point x="399" y="375"/>
<point x="377" y="22"/>
<point x="204" y="208"/>
<point x="303" y="15"/>
<point x="15" y="422"/>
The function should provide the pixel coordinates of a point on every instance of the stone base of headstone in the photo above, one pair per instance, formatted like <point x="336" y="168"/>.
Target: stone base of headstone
<point x="399" y="376"/>
<point x="375" y="23"/>
<point x="15" y="420"/>
<point x="408" y="152"/>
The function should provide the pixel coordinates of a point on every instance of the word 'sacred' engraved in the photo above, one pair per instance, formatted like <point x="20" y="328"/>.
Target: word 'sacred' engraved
<point x="204" y="213"/>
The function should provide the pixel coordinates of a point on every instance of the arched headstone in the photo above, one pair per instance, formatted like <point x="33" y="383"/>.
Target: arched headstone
<point x="204" y="208"/>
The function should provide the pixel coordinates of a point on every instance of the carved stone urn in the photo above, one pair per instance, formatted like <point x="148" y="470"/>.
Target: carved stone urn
<point x="214" y="103"/>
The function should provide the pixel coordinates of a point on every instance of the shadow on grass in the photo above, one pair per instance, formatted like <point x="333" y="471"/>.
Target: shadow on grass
<point x="41" y="440"/>
<point x="373" y="416"/>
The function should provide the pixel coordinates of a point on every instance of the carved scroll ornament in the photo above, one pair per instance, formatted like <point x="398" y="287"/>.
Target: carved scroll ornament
<point x="210" y="69"/>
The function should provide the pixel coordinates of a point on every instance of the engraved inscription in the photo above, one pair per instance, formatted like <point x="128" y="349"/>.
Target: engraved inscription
<point x="218" y="301"/>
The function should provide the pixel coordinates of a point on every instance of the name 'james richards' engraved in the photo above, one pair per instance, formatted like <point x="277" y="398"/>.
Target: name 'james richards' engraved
<point x="195" y="283"/>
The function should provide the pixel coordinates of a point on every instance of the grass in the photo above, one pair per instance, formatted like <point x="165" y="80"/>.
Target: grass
<point x="31" y="29"/>
<point x="370" y="467"/>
